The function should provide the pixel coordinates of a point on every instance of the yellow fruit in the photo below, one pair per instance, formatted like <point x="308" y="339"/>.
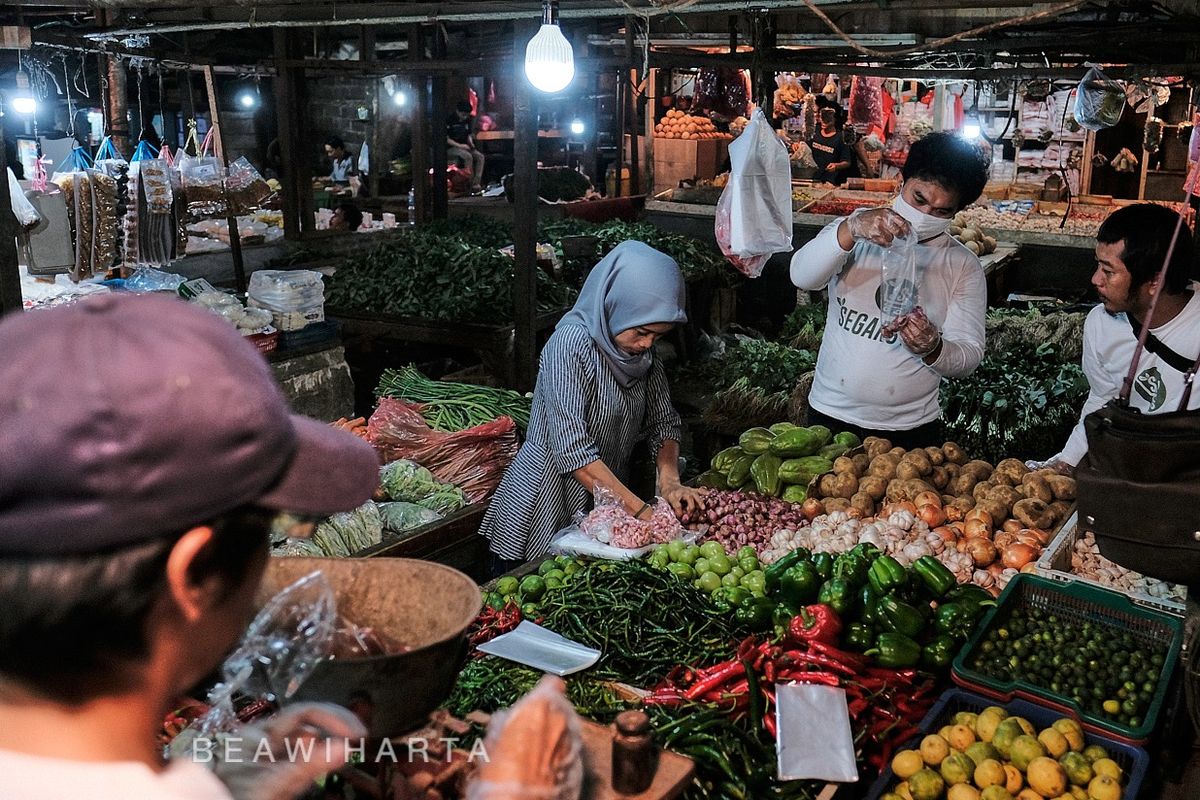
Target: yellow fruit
<point x="962" y="791"/>
<point x="1028" y="794"/>
<point x="1070" y="729"/>
<point x="1078" y="769"/>
<point x="926" y="785"/>
<point x="1024" y="750"/>
<point x="982" y="751"/>
<point x="1006" y="733"/>
<point x="906" y="764"/>
<point x="1026" y="726"/>
<point x="1055" y="743"/>
<point x="1079" y="793"/>
<point x="891" y="796"/>
<point x="957" y="768"/>
<point x="1106" y="766"/>
<point x="1094" y="752"/>
<point x="961" y="737"/>
<point x="1046" y="777"/>
<point x="903" y="791"/>
<point x="1013" y="779"/>
<point x="934" y="749"/>
<point x="987" y="722"/>
<point x="990" y="773"/>
<point x="944" y="732"/>
<point x="967" y="718"/>
<point x="1104" y="787"/>
<point x="995" y="793"/>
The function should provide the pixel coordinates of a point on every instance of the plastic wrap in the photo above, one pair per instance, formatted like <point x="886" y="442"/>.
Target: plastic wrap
<point x="754" y="213"/>
<point x="25" y="212"/>
<point x="106" y="220"/>
<point x="898" y="280"/>
<point x="609" y="523"/>
<point x="202" y="179"/>
<point x="1099" y="101"/>
<point x="866" y="103"/>
<point x="408" y="482"/>
<point x="295" y="297"/>
<point x="473" y="459"/>
<point x="400" y="517"/>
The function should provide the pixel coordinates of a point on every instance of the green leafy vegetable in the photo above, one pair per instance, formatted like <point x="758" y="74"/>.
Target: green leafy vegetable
<point x="408" y="482"/>
<point x="449" y="406"/>
<point x="697" y="259"/>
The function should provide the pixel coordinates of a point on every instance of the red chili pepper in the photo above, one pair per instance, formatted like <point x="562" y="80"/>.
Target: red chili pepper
<point x="823" y="678"/>
<point x="902" y="734"/>
<point x="741" y="687"/>
<point x="873" y="684"/>
<point x="857" y="707"/>
<point x="859" y="663"/>
<point x="663" y="698"/>
<point x="817" y="622"/>
<point x="768" y="671"/>
<point x="886" y="713"/>
<point x="714" y="678"/>
<point x="820" y="660"/>
<point x="769" y="724"/>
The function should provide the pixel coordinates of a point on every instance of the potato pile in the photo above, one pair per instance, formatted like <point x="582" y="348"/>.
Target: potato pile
<point x="1002" y="515"/>
<point x="678" y="125"/>
<point x="972" y="236"/>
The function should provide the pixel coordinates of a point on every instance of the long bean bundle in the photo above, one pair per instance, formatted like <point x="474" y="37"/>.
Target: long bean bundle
<point x="644" y="621"/>
<point x="454" y="406"/>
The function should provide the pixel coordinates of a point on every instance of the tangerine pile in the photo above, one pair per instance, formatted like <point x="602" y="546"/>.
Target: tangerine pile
<point x="678" y="125"/>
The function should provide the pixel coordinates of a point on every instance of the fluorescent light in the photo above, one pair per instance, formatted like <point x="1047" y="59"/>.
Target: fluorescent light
<point x="971" y="130"/>
<point x="549" y="62"/>
<point x="577" y="127"/>
<point x="24" y="105"/>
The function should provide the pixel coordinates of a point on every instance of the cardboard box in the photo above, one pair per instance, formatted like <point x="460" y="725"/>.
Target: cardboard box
<point x="687" y="159"/>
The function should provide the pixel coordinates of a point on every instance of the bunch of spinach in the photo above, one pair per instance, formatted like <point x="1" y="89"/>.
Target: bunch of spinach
<point x="473" y="229"/>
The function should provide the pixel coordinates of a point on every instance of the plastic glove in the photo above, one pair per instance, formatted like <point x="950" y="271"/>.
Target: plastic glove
<point x="878" y="225"/>
<point x="298" y="726"/>
<point x="918" y="334"/>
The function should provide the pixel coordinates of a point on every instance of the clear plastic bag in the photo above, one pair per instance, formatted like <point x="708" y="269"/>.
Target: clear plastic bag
<point x="754" y="214"/>
<point x="898" y="280"/>
<point x="1099" y="101"/>
<point x="295" y="297"/>
<point x="245" y="187"/>
<point x="25" y="212"/>
<point x="535" y="749"/>
<point x="202" y="179"/>
<point x="148" y="279"/>
<point x="609" y="523"/>
<point x="400" y="517"/>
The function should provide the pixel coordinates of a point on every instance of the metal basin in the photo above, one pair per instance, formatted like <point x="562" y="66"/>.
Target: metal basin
<point x="421" y="604"/>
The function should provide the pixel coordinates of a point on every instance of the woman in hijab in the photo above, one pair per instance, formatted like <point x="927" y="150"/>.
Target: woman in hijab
<point x="600" y="390"/>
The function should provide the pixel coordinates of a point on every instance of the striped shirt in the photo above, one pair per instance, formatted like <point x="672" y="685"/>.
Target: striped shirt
<point x="580" y="415"/>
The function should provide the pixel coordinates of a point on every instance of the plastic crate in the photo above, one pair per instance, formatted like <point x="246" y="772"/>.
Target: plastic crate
<point x="1055" y="564"/>
<point x="1077" y="603"/>
<point x="1134" y="761"/>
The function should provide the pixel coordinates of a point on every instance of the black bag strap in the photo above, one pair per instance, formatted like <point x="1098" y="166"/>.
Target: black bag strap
<point x="1159" y="348"/>
<point x="1190" y="373"/>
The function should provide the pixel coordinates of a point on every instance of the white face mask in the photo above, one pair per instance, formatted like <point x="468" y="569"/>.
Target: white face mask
<point x="925" y="226"/>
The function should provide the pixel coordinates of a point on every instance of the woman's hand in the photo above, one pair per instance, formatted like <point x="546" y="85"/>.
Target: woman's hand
<point x="682" y="498"/>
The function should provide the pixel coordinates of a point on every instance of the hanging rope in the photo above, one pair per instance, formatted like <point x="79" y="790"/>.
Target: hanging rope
<point x="67" y="90"/>
<point x="161" y="114"/>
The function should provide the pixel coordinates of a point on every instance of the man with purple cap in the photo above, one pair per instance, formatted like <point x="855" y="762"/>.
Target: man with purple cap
<point x="144" y="451"/>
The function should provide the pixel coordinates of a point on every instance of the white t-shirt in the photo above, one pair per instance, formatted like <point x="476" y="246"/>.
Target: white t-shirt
<point x="864" y="380"/>
<point x="1108" y="345"/>
<point x="26" y="777"/>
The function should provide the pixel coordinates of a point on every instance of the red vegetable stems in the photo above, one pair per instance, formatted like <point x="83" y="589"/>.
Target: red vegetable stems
<point x="885" y="705"/>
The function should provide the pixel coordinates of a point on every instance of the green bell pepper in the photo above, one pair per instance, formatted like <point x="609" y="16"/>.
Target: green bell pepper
<point x="868" y="602"/>
<point x="956" y="620"/>
<point x="781" y="617"/>
<point x="852" y="568"/>
<point x="973" y="597"/>
<point x="837" y="594"/>
<point x="939" y="652"/>
<point x="755" y="614"/>
<point x="859" y="636"/>
<point x="824" y="564"/>
<point x="800" y="585"/>
<point x="774" y="572"/>
<point x="933" y="574"/>
<point x="895" y="650"/>
<point x="900" y="617"/>
<point x="886" y="574"/>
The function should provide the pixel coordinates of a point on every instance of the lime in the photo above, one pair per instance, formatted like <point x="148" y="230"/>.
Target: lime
<point x="682" y="571"/>
<point x="507" y="585"/>
<point x="675" y="549"/>
<point x="509" y="598"/>
<point x="530" y="610"/>
<point x="701" y="566"/>
<point x="689" y="555"/>
<point x="710" y="549"/>
<point x="553" y="583"/>
<point x="571" y="567"/>
<point x="533" y="587"/>
<point x="555" y="573"/>
<point x="747" y="552"/>
<point x="547" y="565"/>
<point x="720" y="564"/>
<point x="656" y="560"/>
<point x="494" y="600"/>
<point x="710" y="582"/>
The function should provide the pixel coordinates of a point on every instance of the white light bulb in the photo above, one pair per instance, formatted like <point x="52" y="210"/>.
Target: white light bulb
<point x="549" y="62"/>
<point x="24" y="105"/>
<point x="399" y="98"/>
<point x="247" y="99"/>
<point x="971" y="130"/>
<point x="577" y="127"/>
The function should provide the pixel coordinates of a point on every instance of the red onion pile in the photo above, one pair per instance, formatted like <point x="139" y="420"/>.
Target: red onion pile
<point x="737" y="518"/>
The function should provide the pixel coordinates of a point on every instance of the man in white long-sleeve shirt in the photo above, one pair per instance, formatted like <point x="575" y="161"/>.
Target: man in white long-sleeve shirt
<point x="1130" y="248"/>
<point x="885" y="382"/>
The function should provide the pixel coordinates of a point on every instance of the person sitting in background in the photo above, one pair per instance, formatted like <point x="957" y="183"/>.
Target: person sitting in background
<point x="1130" y="248"/>
<point x="342" y="162"/>
<point x="346" y="217"/>
<point x="460" y="144"/>
<point x="136" y="502"/>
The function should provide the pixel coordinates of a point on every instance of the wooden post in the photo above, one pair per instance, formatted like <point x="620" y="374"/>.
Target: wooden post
<point x="437" y="124"/>
<point x="420" y="129"/>
<point x="525" y="202"/>
<point x="235" y="239"/>
<point x="622" y="88"/>
<point x="10" y="272"/>
<point x="285" y="115"/>
<point x="630" y="75"/>
<point x="375" y="156"/>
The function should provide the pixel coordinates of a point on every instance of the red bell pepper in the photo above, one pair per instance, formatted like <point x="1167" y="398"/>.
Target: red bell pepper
<point x="817" y="622"/>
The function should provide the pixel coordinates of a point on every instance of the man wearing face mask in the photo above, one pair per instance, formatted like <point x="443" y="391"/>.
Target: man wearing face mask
<point x="884" y="382"/>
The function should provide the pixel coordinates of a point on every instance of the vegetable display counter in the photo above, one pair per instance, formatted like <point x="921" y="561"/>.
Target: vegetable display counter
<point x="453" y="540"/>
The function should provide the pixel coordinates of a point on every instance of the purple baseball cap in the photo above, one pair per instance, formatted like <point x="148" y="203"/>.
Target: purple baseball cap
<point x="123" y="418"/>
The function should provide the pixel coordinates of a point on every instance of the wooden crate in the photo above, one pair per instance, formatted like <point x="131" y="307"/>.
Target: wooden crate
<point x="678" y="160"/>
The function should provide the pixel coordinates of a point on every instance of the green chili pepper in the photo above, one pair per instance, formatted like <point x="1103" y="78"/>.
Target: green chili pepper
<point x="800" y="585"/>
<point x="824" y="565"/>
<point x="852" y="568"/>
<point x="755" y="614"/>
<point x="775" y="571"/>
<point x="886" y="574"/>
<point x="956" y="620"/>
<point x="859" y="636"/>
<point x="868" y="603"/>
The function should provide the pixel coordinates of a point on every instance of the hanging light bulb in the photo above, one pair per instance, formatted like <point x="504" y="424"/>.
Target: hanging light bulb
<point x="247" y="99"/>
<point x="399" y="98"/>
<point x="577" y="127"/>
<point x="971" y="128"/>
<point x="549" y="63"/>
<point x="23" y="101"/>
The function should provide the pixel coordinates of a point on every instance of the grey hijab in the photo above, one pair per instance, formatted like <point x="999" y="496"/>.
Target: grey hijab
<point x="633" y="285"/>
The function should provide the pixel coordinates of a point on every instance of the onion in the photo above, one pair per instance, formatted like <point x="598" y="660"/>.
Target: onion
<point x="982" y="551"/>
<point x="812" y="508"/>
<point x="1030" y="568"/>
<point x="1024" y="537"/>
<point x="954" y="513"/>
<point x="996" y="570"/>
<point x="946" y="534"/>
<point x="927" y="499"/>
<point x="1003" y="539"/>
<point x="1017" y="555"/>
<point x="1011" y="525"/>
<point x="1041" y="535"/>
<point x="979" y="514"/>
<point x="977" y="528"/>
<point x="932" y="515"/>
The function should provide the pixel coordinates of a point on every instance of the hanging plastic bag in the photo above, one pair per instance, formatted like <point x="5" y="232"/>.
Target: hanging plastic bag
<point x="1099" y="101"/>
<point x="754" y="214"/>
<point x="79" y="160"/>
<point x="25" y="212"/>
<point x="898" y="280"/>
<point x="245" y="187"/>
<point x="203" y="179"/>
<point x="143" y="152"/>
